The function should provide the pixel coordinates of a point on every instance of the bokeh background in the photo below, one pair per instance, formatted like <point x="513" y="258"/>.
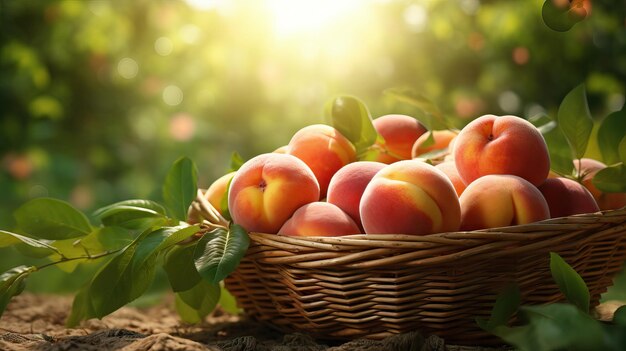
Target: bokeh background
<point x="98" y="98"/>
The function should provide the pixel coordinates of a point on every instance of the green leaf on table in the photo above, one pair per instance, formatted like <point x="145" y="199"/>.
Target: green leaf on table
<point x="561" y="18"/>
<point x="555" y="327"/>
<point x="506" y="305"/>
<point x="236" y="161"/>
<point x="130" y="272"/>
<point x="180" y="268"/>
<point x="570" y="283"/>
<point x="180" y="187"/>
<point x="352" y="119"/>
<point x="610" y="134"/>
<point x="575" y="121"/>
<point x="12" y="284"/>
<point x="228" y="302"/>
<point x="561" y="157"/>
<point x="9" y="239"/>
<point x="218" y="252"/>
<point x="52" y="219"/>
<point x="196" y="303"/>
<point x="434" y="119"/>
<point x="611" y="179"/>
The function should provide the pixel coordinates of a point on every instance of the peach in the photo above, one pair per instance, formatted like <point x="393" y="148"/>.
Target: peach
<point x="215" y="194"/>
<point x="347" y="185"/>
<point x="409" y="197"/>
<point x="319" y="219"/>
<point x="399" y="133"/>
<point x="324" y="150"/>
<point x="442" y="140"/>
<point x="217" y="191"/>
<point x="268" y="189"/>
<point x="587" y="170"/>
<point x="449" y="169"/>
<point x="499" y="200"/>
<point x="566" y="197"/>
<point x="501" y="145"/>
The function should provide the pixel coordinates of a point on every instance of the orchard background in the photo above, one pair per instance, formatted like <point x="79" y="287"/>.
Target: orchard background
<point x="100" y="97"/>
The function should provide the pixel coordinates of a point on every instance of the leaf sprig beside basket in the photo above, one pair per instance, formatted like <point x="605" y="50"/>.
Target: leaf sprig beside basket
<point x="133" y="239"/>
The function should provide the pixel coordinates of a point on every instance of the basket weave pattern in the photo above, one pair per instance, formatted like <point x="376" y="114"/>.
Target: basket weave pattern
<point x="374" y="286"/>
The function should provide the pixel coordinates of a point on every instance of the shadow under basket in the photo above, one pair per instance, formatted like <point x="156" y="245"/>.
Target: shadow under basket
<point x="374" y="286"/>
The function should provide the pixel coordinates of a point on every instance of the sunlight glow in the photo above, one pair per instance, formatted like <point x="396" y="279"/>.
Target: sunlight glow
<point x="302" y="17"/>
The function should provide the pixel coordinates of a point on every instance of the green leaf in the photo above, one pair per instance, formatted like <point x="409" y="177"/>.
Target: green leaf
<point x="180" y="187"/>
<point x="129" y="217"/>
<point x="506" y="305"/>
<point x="559" y="19"/>
<point x="180" y="268"/>
<point x="12" y="284"/>
<point x="619" y="317"/>
<point x="434" y="118"/>
<point x="130" y="273"/>
<point x="145" y="204"/>
<point x="622" y="150"/>
<point x="82" y="309"/>
<point x="610" y="134"/>
<point x="218" y="252"/>
<point x="236" y="161"/>
<point x="561" y="157"/>
<point x="9" y="239"/>
<point x="105" y="239"/>
<point x="574" y="119"/>
<point x="228" y="302"/>
<point x="52" y="219"/>
<point x="555" y="327"/>
<point x="224" y="210"/>
<point x="570" y="283"/>
<point x="611" y="179"/>
<point x="196" y="303"/>
<point x="352" y="119"/>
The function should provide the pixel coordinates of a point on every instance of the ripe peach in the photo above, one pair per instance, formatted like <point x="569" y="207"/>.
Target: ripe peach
<point x="409" y="197"/>
<point x="449" y="169"/>
<point x="566" y="197"/>
<point x="400" y="133"/>
<point x="499" y="200"/>
<point x="214" y="194"/>
<point x="442" y="140"/>
<point x="324" y="150"/>
<point x="347" y="186"/>
<point x="606" y="201"/>
<point x="319" y="219"/>
<point x="268" y="189"/>
<point x="501" y="145"/>
<point x="217" y="191"/>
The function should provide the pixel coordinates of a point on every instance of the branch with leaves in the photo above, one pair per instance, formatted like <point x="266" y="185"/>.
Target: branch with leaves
<point x="133" y="238"/>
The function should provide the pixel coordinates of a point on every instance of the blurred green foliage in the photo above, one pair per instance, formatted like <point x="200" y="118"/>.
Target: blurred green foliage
<point x="98" y="98"/>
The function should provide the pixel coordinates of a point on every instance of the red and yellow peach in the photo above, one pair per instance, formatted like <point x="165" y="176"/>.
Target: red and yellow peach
<point x="268" y="189"/>
<point x="409" y="197"/>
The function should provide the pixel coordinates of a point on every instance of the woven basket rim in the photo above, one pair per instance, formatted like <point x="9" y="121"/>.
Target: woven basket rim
<point x="523" y="232"/>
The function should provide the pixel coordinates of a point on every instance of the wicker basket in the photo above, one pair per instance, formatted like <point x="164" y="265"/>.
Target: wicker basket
<point x="374" y="286"/>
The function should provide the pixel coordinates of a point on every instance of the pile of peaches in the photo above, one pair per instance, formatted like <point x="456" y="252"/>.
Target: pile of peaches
<point x="495" y="173"/>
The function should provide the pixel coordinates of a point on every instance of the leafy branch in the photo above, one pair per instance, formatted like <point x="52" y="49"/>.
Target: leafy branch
<point x="569" y="134"/>
<point x="135" y="234"/>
